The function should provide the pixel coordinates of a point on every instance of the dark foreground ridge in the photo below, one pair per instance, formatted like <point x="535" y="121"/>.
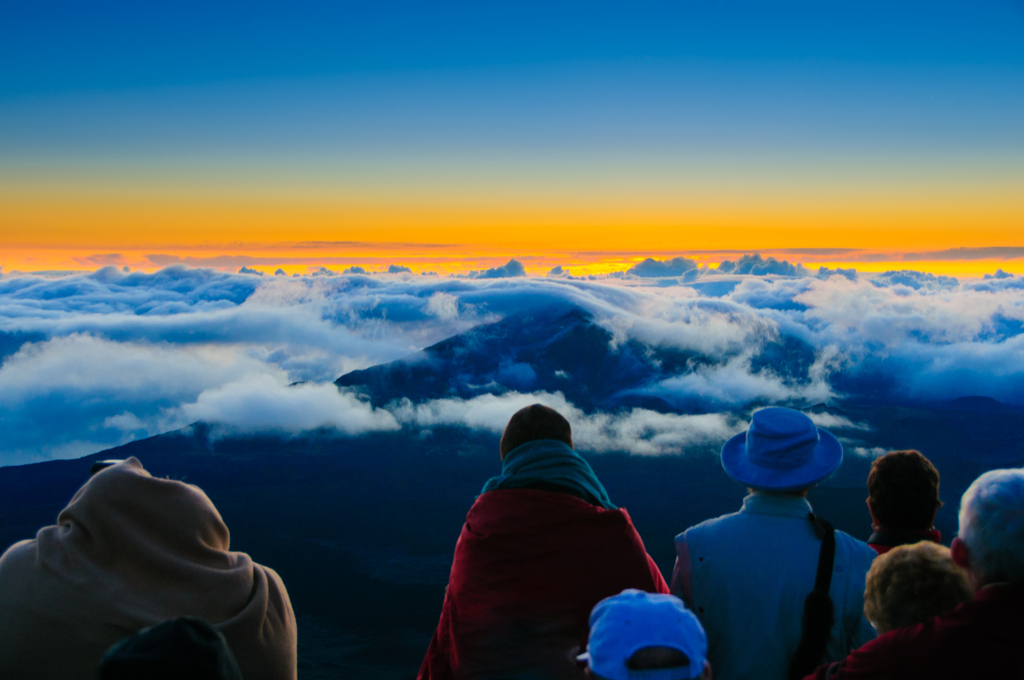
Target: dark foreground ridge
<point x="362" y="529"/>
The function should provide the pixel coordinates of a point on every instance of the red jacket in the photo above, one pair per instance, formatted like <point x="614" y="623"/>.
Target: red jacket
<point x="529" y="566"/>
<point x="983" y="638"/>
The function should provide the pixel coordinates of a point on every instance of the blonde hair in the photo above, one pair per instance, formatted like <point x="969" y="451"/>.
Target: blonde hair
<point x="912" y="583"/>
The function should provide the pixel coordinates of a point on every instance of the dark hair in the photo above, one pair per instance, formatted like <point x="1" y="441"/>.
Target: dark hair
<point x="186" y="647"/>
<point x="535" y="422"/>
<point x="903" y="491"/>
<point x="650" y="658"/>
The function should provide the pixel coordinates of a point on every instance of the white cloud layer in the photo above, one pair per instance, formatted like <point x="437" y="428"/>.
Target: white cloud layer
<point x="259" y="403"/>
<point x="638" y="431"/>
<point x="732" y="384"/>
<point x="91" y="361"/>
<point x="86" y="367"/>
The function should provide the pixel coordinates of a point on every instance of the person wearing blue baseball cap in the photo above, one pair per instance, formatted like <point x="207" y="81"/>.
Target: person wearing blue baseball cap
<point x="645" y="636"/>
<point x="777" y="589"/>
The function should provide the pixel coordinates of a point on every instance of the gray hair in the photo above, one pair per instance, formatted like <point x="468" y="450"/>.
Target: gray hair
<point x="992" y="525"/>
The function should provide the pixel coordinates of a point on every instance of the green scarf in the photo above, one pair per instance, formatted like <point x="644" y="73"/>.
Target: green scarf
<point x="553" y="462"/>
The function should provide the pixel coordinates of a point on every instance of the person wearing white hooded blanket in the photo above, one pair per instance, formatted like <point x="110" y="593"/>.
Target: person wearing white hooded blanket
<point x="130" y="551"/>
<point x="749" y="575"/>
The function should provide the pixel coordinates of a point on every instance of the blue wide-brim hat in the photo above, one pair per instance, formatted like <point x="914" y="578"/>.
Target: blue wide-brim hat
<point x="782" y="450"/>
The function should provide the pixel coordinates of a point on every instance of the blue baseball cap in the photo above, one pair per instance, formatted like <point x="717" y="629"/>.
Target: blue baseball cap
<point x="623" y="624"/>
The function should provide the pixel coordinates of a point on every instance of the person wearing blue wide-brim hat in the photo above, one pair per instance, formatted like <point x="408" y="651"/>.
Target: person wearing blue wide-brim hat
<point x="747" y="574"/>
<point x="781" y="451"/>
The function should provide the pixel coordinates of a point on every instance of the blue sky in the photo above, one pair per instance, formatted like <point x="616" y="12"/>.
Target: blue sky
<point x="115" y="45"/>
<point x="110" y="80"/>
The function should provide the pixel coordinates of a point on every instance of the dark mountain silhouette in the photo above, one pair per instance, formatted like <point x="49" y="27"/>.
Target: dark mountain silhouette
<point x="556" y="349"/>
<point x="362" y="529"/>
<point x="980" y="405"/>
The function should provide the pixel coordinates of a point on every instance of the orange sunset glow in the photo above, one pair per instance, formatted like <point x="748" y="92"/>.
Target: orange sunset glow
<point x="74" y="233"/>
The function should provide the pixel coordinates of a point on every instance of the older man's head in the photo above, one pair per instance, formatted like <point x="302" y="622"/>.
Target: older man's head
<point x="991" y="541"/>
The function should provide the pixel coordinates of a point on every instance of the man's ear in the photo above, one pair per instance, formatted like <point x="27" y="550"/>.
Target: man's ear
<point x="706" y="675"/>
<point x="958" y="550"/>
<point x="871" y="511"/>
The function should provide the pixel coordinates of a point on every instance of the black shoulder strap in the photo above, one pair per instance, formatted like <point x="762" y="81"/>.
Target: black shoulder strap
<point x="819" y="612"/>
<point x="826" y="555"/>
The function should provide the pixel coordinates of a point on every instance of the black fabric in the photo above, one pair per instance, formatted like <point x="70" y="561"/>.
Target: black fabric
<point x="819" y="611"/>
<point x="892" y="539"/>
<point x="187" y="647"/>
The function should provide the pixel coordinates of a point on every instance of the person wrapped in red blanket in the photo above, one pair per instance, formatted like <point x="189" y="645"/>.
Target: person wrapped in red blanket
<point x="540" y="547"/>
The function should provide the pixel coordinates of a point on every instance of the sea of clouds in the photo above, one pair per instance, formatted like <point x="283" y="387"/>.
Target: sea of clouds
<point x="93" y="360"/>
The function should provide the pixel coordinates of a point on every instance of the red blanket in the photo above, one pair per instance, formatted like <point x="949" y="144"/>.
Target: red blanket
<point x="529" y="566"/>
<point x="983" y="638"/>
